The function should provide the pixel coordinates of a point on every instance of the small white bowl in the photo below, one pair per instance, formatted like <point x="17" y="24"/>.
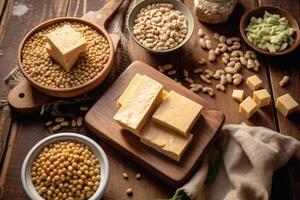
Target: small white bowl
<point x="94" y="147"/>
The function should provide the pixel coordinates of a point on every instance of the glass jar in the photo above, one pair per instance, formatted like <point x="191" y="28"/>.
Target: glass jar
<point x="214" y="11"/>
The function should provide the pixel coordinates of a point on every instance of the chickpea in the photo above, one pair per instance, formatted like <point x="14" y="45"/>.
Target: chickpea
<point x="64" y="180"/>
<point x="44" y="70"/>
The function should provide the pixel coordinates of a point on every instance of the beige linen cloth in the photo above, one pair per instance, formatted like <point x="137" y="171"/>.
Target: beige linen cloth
<point x="249" y="159"/>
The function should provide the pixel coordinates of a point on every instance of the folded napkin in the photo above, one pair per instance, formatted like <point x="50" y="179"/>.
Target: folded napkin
<point x="245" y="170"/>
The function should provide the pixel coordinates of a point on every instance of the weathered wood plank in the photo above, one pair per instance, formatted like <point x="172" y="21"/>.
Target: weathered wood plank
<point x="223" y="100"/>
<point x="278" y="67"/>
<point x="286" y="65"/>
<point x="23" y="16"/>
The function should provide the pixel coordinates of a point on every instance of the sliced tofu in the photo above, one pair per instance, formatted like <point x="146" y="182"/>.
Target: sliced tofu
<point x="131" y="86"/>
<point x="127" y="92"/>
<point x="165" y="140"/>
<point x="140" y="105"/>
<point x="178" y="113"/>
<point x="66" y="42"/>
<point x="67" y="65"/>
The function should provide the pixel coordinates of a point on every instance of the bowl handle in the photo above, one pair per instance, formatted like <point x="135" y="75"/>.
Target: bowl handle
<point x="101" y="16"/>
<point x="26" y="99"/>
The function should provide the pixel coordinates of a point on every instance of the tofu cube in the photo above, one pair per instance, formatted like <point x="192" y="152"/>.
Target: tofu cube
<point x="254" y="82"/>
<point x="262" y="97"/>
<point x="248" y="107"/>
<point x="67" y="65"/>
<point x="286" y="104"/>
<point x="66" y="42"/>
<point x="140" y="105"/>
<point x="238" y="95"/>
<point x="165" y="140"/>
<point x="178" y="113"/>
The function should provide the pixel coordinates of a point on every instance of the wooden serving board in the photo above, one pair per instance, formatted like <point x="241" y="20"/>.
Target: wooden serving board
<point x="100" y="120"/>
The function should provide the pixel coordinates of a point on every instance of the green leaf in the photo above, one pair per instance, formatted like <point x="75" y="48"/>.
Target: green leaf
<point x="181" y="195"/>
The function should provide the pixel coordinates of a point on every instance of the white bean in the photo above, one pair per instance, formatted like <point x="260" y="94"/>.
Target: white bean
<point x="201" y="32"/>
<point x="208" y="44"/>
<point x="167" y="66"/>
<point x="217" y="51"/>
<point x="237" y="79"/>
<point x="216" y="35"/>
<point x="237" y="53"/>
<point x="243" y="61"/>
<point x="237" y="66"/>
<point x="229" y="78"/>
<point x="230" y="70"/>
<point x="197" y="70"/>
<point x="284" y="81"/>
<point x="202" y="43"/>
<point x="231" y="64"/>
<point x="250" y="63"/>
<point x="202" y="61"/>
<point x="220" y="87"/>
<point x="208" y="90"/>
<point x="189" y="80"/>
<point x="236" y="45"/>
<point x="205" y="79"/>
<point x="222" y="39"/>
<point x="230" y="40"/>
<point x="223" y="80"/>
<point x="185" y="73"/>
<point x="223" y="47"/>
<point x="172" y="72"/>
<point x="209" y="73"/>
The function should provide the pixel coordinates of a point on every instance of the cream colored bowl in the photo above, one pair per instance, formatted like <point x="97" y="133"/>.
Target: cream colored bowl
<point x="94" y="147"/>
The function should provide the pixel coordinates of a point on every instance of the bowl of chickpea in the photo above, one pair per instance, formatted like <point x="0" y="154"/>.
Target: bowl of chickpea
<point x="48" y="76"/>
<point x="160" y="26"/>
<point x="65" y="166"/>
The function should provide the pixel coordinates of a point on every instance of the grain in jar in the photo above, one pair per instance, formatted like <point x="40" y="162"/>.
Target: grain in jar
<point x="214" y="11"/>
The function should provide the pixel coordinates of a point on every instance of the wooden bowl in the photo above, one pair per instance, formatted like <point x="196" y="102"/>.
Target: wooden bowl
<point x="258" y="12"/>
<point x="178" y="6"/>
<point x="73" y="91"/>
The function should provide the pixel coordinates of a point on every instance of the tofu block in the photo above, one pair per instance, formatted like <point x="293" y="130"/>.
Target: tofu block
<point x="165" y="140"/>
<point x="131" y="86"/>
<point x="67" y="65"/>
<point x="178" y="113"/>
<point x="238" y="95"/>
<point x="248" y="107"/>
<point x="66" y="42"/>
<point x="254" y="82"/>
<point x="262" y="97"/>
<point x="140" y="105"/>
<point x="286" y="104"/>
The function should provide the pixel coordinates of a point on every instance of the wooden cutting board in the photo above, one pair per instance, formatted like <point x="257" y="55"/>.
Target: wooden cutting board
<point x="100" y="120"/>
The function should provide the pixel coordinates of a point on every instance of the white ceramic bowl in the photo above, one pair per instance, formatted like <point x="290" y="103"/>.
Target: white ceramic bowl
<point x="94" y="147"/>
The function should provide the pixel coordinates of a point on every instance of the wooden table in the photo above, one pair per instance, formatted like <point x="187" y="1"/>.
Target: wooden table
<point x="26" y="131"/>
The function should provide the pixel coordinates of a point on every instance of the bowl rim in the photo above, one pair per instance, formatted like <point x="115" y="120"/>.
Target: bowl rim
<point x="144" y="4"/>
<point x="47" y="23"/>
<point x="247" y="15"/>
<point x="67" y="135"/>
